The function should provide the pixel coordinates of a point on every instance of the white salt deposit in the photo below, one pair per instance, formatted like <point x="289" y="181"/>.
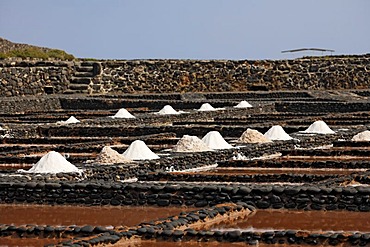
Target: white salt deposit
<point x="362" y="136"/>
<point x="110" y="156"/>
<point x="243" y="104"/>
<point x="52" y="162"/>
<point x="277" y="133"/>
<point x="206" y="107"/>
<point x="214" y="140"/>
<point x="253" y="136"/>
<point x="190" y="144"/>
<point x="123" y="113"/>
<point x="319" y="127"/>
<point x="70" y="120"/>
<point x="167" y="110"/>
<point x="138" y="150"/>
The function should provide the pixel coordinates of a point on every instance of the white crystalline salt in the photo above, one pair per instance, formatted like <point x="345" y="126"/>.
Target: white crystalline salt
<point x="70" y="120"/>
<point x="110" y="156"/>
<point x="243" y="104"/>
<point x="362" y="136"/>
<point x="319" y="127"/>
<point x="206" y="107"/>
<point x="167" y="110"/>
<point x="277" y="133"/>
<point x="214" y="140"/>
<point x="190" y="144"/>
<point x="123" y="113"/>
<point x="253" y="136"/>
<point x="138" y="150"/>
<point x="52" y="162"/>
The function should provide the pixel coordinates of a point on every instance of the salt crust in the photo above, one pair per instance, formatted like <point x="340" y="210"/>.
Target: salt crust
<point x="52" y="162"/>
<point x="110" y="156"/>
<point x="138" y="150"/>
<point x="214" y="140"/>
<point x="243" y="104"/>
<point x="319" y="127"/>
<point x="253" y="136"/>
<point x="123" y="113"/>
<point x="70" y="120"/>
<point x="168" y="110"/>
<point x="190" y="144"/>
<point x="362" y="136"/>
<point x="277" y="133"/>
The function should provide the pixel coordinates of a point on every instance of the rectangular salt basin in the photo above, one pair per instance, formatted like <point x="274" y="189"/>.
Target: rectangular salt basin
<point x="82" y="215"/>
<point x="315" y="221"/>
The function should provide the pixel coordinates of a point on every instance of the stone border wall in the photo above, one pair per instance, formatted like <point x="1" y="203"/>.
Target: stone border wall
<point x="29" y="77"/>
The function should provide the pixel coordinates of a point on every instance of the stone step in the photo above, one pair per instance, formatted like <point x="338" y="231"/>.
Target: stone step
<point x="81" y="80"/>
<point x="78" y="86"/>
<point x="68" y="91"/>
<point x="85" y="68"/>
<point x="84" y="74"/>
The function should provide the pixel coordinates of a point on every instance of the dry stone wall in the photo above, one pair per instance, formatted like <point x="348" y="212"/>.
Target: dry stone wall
<point x="163" y="76"/>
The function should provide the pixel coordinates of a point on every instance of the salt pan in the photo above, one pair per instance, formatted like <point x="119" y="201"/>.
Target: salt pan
<point x="214" y="140"/>
<point x="168" y="110"/>
<point x="52" y="162"/>
<point x="243" y="104"/>
<point x="253" y="136"/>
<point x="190" y="144"/>
<point x="123" y="113"/>
<point x="319" y="127"/>
<point x="110" y="156"/>
<point x="277" y="133"/>
<point x="138" y="150"/>
<point x="362" y="136"/>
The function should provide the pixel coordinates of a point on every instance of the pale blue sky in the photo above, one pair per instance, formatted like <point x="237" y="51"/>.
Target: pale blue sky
<point x="191" y="29"/>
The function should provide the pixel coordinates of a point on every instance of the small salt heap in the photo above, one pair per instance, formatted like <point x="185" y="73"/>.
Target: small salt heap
<point x="110" y="156"/>
<point x="243" y="104"/>
<point x="362" y="136"/>
<point x="206" y="107"/>
<point x="70" y="120"/>
<point x="138" y="150"/>
<point x="123" y="113"/>
<point x="190" y="144"/>
<point x="52" y="162"/>
<point x="319" y="127"/>
<point x="277" y="133"/>
<point x="214" y="140"/>
<point x="253" y="136"/>
<point x="167" y="110"/>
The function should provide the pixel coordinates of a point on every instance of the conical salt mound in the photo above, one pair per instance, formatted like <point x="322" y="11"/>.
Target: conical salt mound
<point x="243" y="104"/>
<point x="362" y="137"/>
<point x="52" y="162"/>
<point x="214" y="140"/>
<point x="138" y="150"/>
<point x="319" y="127"/>
<point x="277" y="133"/>
<point x="190" y="144"/>
<point x="253" y="136"/>
<point x="72" y="119"/>
<point x="110" y="156"/>
<point x="206" y="107"/>
<point x="168" y="110"/>
<point x="123" y="113"/>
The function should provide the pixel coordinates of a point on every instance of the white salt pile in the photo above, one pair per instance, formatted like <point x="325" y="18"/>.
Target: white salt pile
<point x="167" y="110"/>
<point x="123" y="113"/>
<point x="243" y="104"/>
<point x="214" y="140"/>
<point x="70" y="120"/>
<point x="206" y="107"/>
<point x="253" y="136"/>
<point x="362" y="136"/>
<point x="52" y="162"/>
<point x="138" y="150"/>
<point x="190" y="144"/>
<point x="277" y="133"/>
<point x="110" y="156"/>
<point x="319" y="127"/>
